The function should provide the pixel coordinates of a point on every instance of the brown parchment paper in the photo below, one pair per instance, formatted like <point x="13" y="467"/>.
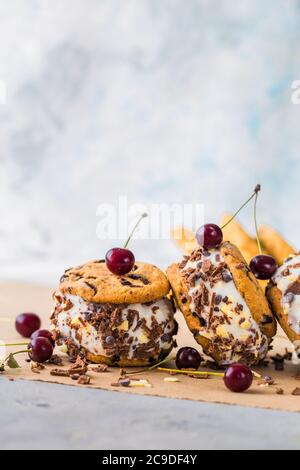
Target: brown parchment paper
<point x="20" y="297"/>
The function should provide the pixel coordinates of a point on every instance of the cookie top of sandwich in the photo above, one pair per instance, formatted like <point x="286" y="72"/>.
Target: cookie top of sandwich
<point x="95" y="283"/>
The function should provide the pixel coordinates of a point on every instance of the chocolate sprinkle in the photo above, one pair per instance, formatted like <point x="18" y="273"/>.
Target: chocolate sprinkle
<point x="139" y="277"/>
<point x="266" y="319"/>
<point x="226" y="276"/>
<point x="91" y="286"/>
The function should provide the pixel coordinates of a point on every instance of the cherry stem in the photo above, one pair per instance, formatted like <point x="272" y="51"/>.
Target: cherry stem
<point x="23" y="350"/>
<point x="256" y="190"/>
<point x="134" y="228"/>
<point x="13" y="344"/>
<point x="17" y="352"/>
<point x="140" y="371"/>
<point x="255" y="223"/>
<point x="190" y="372"/>
<point x="197" y="372"/>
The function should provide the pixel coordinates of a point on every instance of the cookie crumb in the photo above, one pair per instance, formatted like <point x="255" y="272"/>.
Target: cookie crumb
<point x="296" y="391"/>
<point x="100" y="368"/>
<point x="279" y="391"/>
<point x="36" y="367"/>
<point x="84" y="379"/>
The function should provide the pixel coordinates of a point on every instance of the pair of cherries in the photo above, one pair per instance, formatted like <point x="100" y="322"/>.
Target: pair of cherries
<point x="41" y="345"/>
<point x="120" y="261"/>
<point x="211" y="236"/>
<point x="237" y="377"/>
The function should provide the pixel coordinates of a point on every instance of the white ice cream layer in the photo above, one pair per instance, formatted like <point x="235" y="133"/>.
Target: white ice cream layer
<point x="247" y="331"/>
<point x="290" y="307"/>
<point x="71" y="323"/>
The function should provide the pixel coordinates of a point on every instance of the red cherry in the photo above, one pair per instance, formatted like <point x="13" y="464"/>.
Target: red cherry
<point x="188" y="358"/>
<point x="41" y="349"/>
<point x="119" y="260"/>
<point x="43" y="334"/>
<point x="27" y="323"/>
<point x="209" y="236"/>
<point x="238" y="377"/>
<point x="263" y="266"/>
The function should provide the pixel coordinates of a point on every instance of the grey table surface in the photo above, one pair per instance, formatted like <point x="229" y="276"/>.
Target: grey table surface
<point x="37" y="415"/>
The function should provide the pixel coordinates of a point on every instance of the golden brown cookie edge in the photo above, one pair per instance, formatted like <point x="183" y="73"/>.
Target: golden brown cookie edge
<point x="100" y="359"/>
<point x="107" y="287"/>
<point x="274" y="296"/>
<point x="249" y="288"/>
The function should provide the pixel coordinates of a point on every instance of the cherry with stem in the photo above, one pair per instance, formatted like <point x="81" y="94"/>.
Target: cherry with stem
<point x="262" y="266"/>
<point x="40" y="349"/>
<point x="120" y="261"/>
<point x="210" y="235"/>
<point x="237" y="377"/>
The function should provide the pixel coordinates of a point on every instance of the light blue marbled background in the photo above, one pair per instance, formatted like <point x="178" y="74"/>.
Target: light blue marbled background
<point x="160" y="100"/>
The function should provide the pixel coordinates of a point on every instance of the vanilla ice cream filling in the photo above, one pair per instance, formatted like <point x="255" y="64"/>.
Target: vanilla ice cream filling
<point x="239" y="327"/>
<point x="287" y="275"/>
<point x="70" y="321"/>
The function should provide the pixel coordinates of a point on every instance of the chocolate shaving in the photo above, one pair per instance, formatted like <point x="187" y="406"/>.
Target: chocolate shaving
<point x="79" y="367"/>
<point x="207" y="265"/>
<point x="125" y="282"/>
<point x="100" y="368"/>
<point x="294" y="288"/>
<point x="144" y="280"/>
<point x="266" y="319"/>
<point x="59" y="372"/>
<point x="226" y="276"/>
<point x="56" y="360"/>
<point x="94" y="289"/>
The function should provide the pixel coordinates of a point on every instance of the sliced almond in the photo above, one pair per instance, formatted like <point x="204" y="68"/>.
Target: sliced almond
<point x="171" y="379"/>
